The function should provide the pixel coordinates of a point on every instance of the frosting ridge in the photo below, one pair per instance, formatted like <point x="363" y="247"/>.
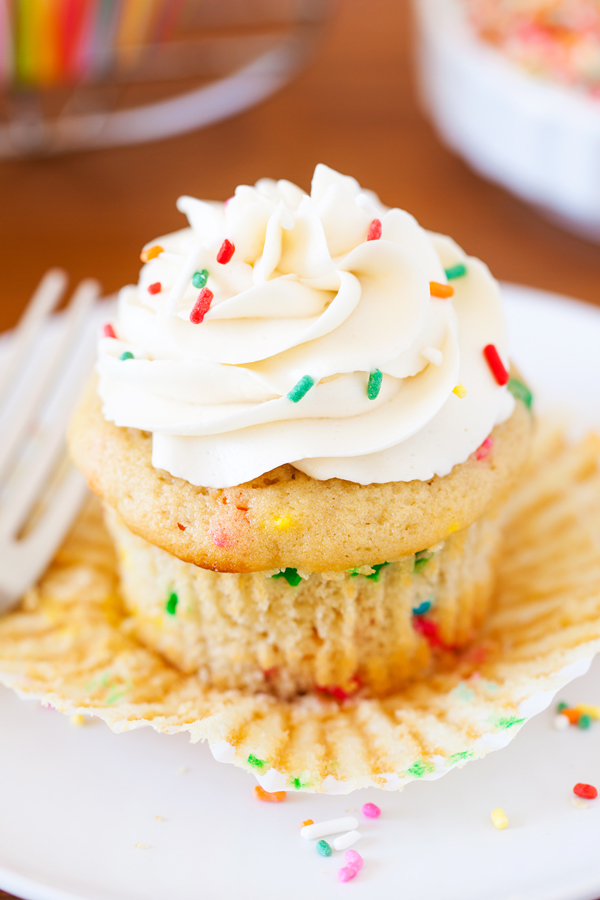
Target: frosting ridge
<point x="306" y="293"/>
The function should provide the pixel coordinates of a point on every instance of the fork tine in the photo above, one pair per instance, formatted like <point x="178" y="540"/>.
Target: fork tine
<point x="45" y="298"/>
<point x="35" y="552"/>
<point x="15" y="428"/>
<point x="28" y="484"/>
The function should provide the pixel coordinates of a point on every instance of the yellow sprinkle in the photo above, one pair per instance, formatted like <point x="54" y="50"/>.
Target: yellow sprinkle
<point x="460" y="390"/>
<point x="592" y="711"/>
<point x="454" y="526"/>
<point x="499" y="818"/>
<point x="77" y="720"/>
<point x="142" y="846"/>
<point x="283" y="523"/>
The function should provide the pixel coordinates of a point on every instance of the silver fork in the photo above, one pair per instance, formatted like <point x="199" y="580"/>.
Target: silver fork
<point x="41" y="374"/>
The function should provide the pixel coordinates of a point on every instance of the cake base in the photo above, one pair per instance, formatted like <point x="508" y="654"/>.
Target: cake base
<point x="70" y="645"/>
<point x="371" y="630"/>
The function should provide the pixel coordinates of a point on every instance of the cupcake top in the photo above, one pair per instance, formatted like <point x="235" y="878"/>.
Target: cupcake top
<point x="558" y="40"/>
<point x="322" y="330"/>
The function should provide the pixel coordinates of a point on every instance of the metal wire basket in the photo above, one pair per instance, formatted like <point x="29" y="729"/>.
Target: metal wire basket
<point x="94" y="73"/>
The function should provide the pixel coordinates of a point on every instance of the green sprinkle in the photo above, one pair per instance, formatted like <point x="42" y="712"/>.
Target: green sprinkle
<point x="376" y="575"/>
<point x="126" y="355"/>
<point x="421" y="768"/>
<point x="456" y="271"/>
<point x="458" y="757"/>
<point x="374" y="385"/>
<point x="200" y="278"/>
<point x="256" y="762"/>
<point x="584" y="721"/>
<point x="509" y="722"/>
<point x="290" y="575"/>
<point x="323" y="848"/>
<point x="520" y="391"/>
<point x="171" y="604"/>
<point x="300" y="389"/>
<point x="421" y="560"/>
<point x="562" y="705"/>
<point x="422" y="608"/>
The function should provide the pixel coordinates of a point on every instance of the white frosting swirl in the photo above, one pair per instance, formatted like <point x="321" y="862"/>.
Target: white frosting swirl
<point x="306" y="294"/>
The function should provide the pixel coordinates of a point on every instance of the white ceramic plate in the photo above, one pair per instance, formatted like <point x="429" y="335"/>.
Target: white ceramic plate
<point x="74" y="802"/>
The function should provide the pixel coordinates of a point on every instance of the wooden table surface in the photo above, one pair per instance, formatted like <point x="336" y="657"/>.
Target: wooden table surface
<point x="354" y="108"/>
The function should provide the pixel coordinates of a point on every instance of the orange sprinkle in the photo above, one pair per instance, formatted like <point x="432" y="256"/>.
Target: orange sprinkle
<point x="572" y="715"/>
<point x="261" y="794"/>
<point x="441" y="290"/>
<point x="308" y="822"/>
<point x="151" y="253"/>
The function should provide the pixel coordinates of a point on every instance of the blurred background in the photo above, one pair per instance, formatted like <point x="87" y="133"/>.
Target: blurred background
<point x="341" y="88"/>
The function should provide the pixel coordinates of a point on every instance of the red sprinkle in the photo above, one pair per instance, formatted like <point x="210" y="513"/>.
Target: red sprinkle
<point x="333" y="691"/>
<point x="429" y="630"/>
<point x="108" y="331"/>
<point x="201" y="306"/>
<point x="496" y="365"/>
<point x="155" y="288"/>
<point x="585" y="790"/>
<point x="181" y="527"/>
<point x="226" y="252"/>
<point x="484" y="449"/>
<point x="374" y="232"/>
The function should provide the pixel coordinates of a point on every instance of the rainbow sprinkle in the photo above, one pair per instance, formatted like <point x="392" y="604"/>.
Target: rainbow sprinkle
<point x="496" y="365"/>
<point x="456" y="271"/>
<point x="199" y="279"/>
<point x="268" y="796"/>
<point x="225" y="253"/>
<point x="290" y="575"/>
<point x="301" y="388"/>
<point x="374" y="232"/>
<point x="460" y="390"/>
<point x="171" y="604"/>
<point x="374" y="385"/>
<point x="499" y="818"/>
<point x="520" y="391"/>
<point x="421" y="560"/>
<point x="374" y="576"/>
<point x="442" y="291"/>
<point x="151" y="253"/>
<point x="422" y="608"/>
<point x="126" y="355"/>
<point x="201" y="306"/>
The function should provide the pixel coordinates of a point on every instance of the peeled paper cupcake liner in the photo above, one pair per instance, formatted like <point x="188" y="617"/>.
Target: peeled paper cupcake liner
<point x="71" y="646"/>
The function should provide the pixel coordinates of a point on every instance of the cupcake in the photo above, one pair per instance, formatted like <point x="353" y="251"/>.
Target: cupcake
<point x="514" y="88"/>
<point x="303" y="430"/>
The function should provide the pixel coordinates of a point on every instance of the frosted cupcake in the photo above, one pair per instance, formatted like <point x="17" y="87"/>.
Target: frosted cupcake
<point x="303" y="430"/>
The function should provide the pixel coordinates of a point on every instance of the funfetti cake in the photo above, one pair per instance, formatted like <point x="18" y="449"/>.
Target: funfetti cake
<point x="303" y="428"/>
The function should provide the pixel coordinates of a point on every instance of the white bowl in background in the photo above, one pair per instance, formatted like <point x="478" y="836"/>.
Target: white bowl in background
<point x="538" y="139"/>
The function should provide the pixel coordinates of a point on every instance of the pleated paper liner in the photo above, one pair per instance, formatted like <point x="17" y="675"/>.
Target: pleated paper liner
<point x="69" y="645"/>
